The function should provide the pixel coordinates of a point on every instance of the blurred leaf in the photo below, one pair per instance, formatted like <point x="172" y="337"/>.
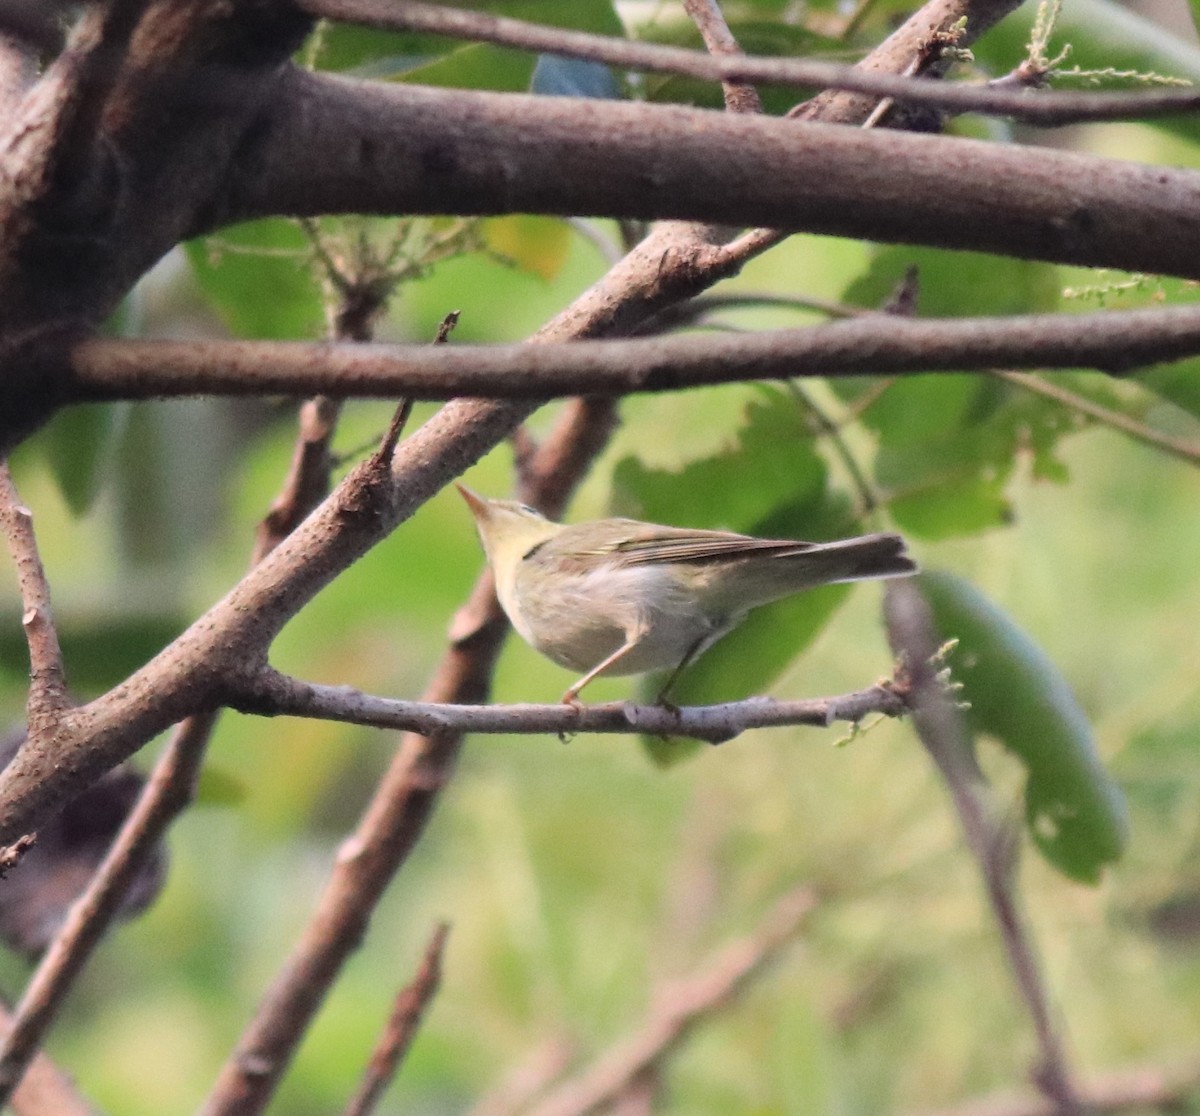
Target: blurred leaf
<point x="258" y="279"/>
<point x="539" y="245"/>
<point x="477" y="66"/>
<point x="1178" y="383"/>
<point x="1075" y="812"/>
<point x="773" y="449"/>
<point x="218" y="787"/>
<point x="367" y="52"/>
<point x="955" y="507"/>
<point x="99" y="652"/>
<point x="573" y="77"/>
<point x="952" y="283"/>
<point x="76" y="444"/>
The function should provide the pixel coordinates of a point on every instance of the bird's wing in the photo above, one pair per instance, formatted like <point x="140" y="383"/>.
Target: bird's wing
<point x="654" y="544"/>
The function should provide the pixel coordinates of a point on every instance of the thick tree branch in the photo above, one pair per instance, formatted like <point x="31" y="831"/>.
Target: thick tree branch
<point x="878" y="344"/>
<point x="1033" y="107"/>
<point x="406" y="149"/>
<point x="273" y="694"/>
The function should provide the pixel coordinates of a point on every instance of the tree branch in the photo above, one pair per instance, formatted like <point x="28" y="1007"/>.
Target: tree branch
<point x="1032" y="107"/>
<point x="401" y="1027"/>
<point x="878" y="344"/>
<point x="940" y="728"/>
<point x="406" y="149"/>
<point x="740" y="96"/>
<point x="272" y="694"/>
<point x="678" y="1008"/>
<point x="47" y="675"/>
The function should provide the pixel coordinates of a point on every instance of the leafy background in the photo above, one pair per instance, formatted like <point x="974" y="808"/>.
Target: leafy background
<point x="577" y="877"/>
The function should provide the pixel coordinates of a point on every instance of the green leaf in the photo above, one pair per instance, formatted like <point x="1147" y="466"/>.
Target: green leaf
<point x="478" y="66"/>
<point x="773" y="449"/>
<point x="258" y="279"/>
<point x="955" y="283"/>
<point x="76" y="444"/>
<point x="1075" y="811"/>
<point x="1178" y="383"/>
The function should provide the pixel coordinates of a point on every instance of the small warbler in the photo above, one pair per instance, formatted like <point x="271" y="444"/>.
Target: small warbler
<point x="616" y="596"/>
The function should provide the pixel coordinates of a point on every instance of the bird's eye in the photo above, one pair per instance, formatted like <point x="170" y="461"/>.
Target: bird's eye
<point x="527" y="508"/>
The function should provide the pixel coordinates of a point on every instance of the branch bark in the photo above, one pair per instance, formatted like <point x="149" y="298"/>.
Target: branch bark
<point x="730" y="67"/>
<point x="272" y="694"/>
<point x="406" y="149"/>
<point x="877" y="344"/>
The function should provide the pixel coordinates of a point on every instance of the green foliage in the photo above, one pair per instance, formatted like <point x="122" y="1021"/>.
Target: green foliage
<point x="1075" y="813"/>
<point x="578" y="877"/>
<point x="259" y="278"/>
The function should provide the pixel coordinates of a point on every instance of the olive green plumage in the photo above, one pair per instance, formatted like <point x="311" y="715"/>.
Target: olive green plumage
<point x="617" y="596"/>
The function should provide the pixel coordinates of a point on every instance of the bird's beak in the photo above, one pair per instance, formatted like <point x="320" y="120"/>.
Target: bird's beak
<point x="477" y="504"/>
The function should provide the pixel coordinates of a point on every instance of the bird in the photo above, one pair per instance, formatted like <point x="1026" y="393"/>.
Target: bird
<point x="619" y="596"/>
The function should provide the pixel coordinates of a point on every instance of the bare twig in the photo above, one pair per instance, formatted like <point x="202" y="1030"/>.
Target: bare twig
<point x="401" y="1028"/>
<point x="678" y="1007"/>
<point x="1189" y="451"/>
<point x="47" y="675"/>
<point x="940" y="727"/>
<point x="720" y="42"/>
<point x="10" y="855"/>
<point x="1112" y="341"/>
<point x="274" y="694"/>
<point x="1055" y="108"/>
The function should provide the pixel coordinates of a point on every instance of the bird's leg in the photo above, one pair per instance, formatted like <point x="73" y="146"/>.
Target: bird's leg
<point x="692" y="652"/>
<point x="632" y="638"/>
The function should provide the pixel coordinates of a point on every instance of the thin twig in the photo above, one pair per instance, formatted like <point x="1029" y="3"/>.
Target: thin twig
<point x="47" y="674"/>
<point x="1047" y="109"/>
<point x="1189" y="451"/>
<point x="273" y="694"/>
<point x="940" y="727"/>
<point x="677" y="1008"/>
<point x="720" y="42"/>
<point x="401" y="1029"/>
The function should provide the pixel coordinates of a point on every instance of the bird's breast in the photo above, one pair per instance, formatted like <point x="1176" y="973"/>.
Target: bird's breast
<point x="580" y="618"/>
